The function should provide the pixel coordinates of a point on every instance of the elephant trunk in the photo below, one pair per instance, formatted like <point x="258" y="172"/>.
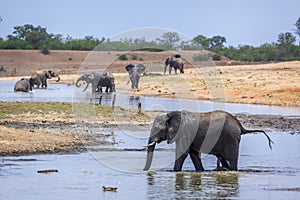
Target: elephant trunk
<point x="58" y="78"/>
<point x="150" y="151"/>
<point x="77" y="84"/>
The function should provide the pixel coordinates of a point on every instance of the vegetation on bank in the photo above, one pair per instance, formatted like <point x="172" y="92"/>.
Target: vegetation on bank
<point x="36" y="37"/>
<point x="43" y="108"/>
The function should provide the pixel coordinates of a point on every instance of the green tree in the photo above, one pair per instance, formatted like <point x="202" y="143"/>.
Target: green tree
<point x="286" y="47"/>
<point x="297" y="30"/>
<point x="169" y="40"/>
<point x="202" y="41"/>
<point x="217" y="43"/>
<point x="36" y="36"/>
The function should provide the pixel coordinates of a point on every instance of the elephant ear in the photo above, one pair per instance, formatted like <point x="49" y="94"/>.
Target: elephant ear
<point x="182" y="126"/>
<point x="48" y="74"/>
<point x="129" y="67"/>
<point x="177" y="56"/>
<point x="141" y="69"/>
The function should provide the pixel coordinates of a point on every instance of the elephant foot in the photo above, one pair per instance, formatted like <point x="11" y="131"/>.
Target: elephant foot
<point x="221" y="169"/>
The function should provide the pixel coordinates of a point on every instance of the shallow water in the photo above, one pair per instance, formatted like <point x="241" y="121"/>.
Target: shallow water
<point x="65" y="93"/>
<point x="263" y="173"/>
<point x="261" y="176"/>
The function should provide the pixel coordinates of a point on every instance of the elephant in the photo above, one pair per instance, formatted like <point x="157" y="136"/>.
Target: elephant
<point x="40" y="77"/>
<point x="175" y="62"/>
<point x="217" y="133"/>
<point x="98" y="80"/>
<point x="135" y="71"/>
<point x="24" y="85"/>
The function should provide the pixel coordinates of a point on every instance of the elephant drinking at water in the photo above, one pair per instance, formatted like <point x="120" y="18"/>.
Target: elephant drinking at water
<point x="97" y="81"/>
<point x="40" y="77"/>
<point x="24" y="85"/>
<point x="217" y="133"/>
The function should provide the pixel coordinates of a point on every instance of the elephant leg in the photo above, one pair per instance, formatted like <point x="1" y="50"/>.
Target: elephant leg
<point x="165" y="69"/>
<point x="179" y="162"/>
<point x="195" y="156"/>
<point x="223" y="162"/>
<point x="175" y="69"/>
<point x="170" y="69"/>
<point x="233" y="164"/>
<point x="106" y="90"/>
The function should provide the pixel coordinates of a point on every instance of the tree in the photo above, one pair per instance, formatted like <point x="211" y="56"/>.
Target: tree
<point x="202" y="41"/>
<point x="36" y="36"/>
<point x="170" y="40"/>
<point x="297" y="30"/>
<point x="286" y="47"/>
<point x="217" y="41"/>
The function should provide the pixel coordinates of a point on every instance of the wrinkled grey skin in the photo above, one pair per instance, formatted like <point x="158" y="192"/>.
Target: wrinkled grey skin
<point x="217" y="133"/>
<point x="175" y="62"/>
<point x="98" y="80"/>
<point x="40" y="77"/>
<point x="24" y="85"/>
<point x="135" y="71"/>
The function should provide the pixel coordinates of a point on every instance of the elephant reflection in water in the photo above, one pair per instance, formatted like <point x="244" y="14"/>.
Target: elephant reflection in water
<point x="194" y="185"/>
<point x="214" y="186"/>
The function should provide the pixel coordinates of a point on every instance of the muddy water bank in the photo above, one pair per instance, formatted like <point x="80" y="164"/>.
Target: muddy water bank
<point x="287" y="124"/>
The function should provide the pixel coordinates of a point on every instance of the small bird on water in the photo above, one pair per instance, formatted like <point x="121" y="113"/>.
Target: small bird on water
<point x="109" y="189"/>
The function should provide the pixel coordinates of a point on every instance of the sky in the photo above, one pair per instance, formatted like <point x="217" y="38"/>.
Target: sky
<point x="251" y="22"/>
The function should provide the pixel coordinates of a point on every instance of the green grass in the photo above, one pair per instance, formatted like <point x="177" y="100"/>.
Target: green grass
<point x="15" y="108"/>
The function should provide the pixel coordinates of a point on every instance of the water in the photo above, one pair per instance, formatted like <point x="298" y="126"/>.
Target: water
<point x="263" y="173"/>
<point x="65" y="93"/>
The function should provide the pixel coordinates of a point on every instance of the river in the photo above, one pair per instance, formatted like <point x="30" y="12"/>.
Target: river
<point x="263" y="173"/>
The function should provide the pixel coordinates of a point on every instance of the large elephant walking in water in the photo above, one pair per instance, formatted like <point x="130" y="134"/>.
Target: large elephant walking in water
<point x="175" y="62"/>
<point x="24" y="85"/>
<point x="97" y="81"/>
<point x="40" y="77"/>
<point x="217" y="133"/>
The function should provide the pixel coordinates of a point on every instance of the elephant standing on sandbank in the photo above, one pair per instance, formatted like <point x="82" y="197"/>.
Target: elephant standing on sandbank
<point x="24" y="85"/>
<point x="97" y="81"/>
<point x="135" y="71"/>
<point x="40" y="77"/>
<point x="217" y="133"/>
<point x="175" y="62"/>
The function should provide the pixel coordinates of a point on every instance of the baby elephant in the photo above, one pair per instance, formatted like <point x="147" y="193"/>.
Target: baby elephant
<point x="217" y="133"/>
<point x="24" y="85"/>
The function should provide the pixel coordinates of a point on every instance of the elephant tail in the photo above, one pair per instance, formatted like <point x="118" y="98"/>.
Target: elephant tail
<point x="245" y="131"/>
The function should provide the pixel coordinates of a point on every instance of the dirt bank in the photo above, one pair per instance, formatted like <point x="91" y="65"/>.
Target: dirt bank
<point x="46" y="129"/>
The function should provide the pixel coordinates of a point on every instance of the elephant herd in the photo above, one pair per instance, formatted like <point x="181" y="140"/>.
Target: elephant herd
<point x="97" y="80"/>
<point x="38" y="78"/>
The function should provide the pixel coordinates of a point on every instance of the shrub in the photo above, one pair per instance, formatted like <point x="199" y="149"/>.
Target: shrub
<point x="201" y="57"/>
<point x="123" y="57"/>
<point x="216" y="57"/>
<point x="45" y="50"/>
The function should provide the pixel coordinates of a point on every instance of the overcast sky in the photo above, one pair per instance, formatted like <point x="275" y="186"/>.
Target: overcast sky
<point x="252" y="22"/>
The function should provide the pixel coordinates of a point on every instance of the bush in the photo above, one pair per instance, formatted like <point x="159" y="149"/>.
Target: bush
<point x="216" y="57"/>
<point x="201" y="57"/>
<point x="123" y="57"/>
<point x="45" y="50"/>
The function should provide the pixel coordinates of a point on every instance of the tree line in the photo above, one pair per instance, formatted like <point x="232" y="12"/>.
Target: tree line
<point x="36" y="37"/>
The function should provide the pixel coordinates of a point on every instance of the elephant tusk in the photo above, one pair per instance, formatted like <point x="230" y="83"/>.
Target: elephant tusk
<point x="149" y="145"/>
